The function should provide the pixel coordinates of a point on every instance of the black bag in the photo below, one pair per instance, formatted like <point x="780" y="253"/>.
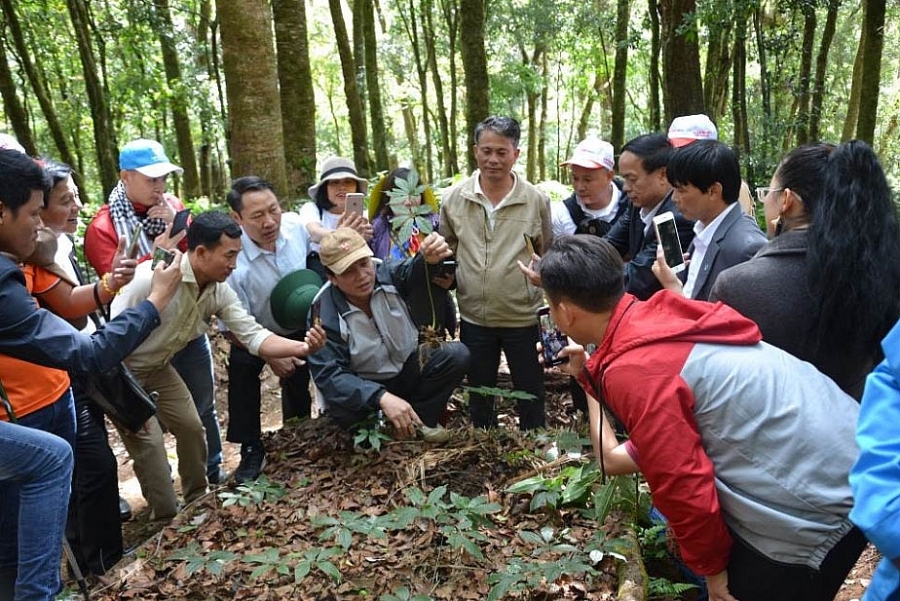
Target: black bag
<point x="122" y="397"/>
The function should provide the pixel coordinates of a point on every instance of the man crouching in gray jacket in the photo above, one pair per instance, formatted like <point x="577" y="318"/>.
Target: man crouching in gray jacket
<point x="371" y="361"/>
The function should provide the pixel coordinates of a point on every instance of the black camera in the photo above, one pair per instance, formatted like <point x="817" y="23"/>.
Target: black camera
<point x="593" y="226"/>
<point x="447" y="267"/>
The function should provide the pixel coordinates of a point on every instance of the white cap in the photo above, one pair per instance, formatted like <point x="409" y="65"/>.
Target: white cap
<point x="593" y="153"/>
<point x="689" y="128"/>
<point x="10" y="143"/>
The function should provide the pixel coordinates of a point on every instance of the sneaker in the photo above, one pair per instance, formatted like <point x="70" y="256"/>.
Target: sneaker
<point x="438" y="434"/>
<point x="216" y="476"/>
<point x="124" y="510"/>
<point x="253" y="460"/>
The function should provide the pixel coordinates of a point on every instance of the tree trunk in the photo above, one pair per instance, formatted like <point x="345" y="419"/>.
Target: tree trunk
<point x="12" y="107"/>
<point x="682" y="85"/>
<point x="376" y="108"/>
<point x="655" y="51"/>
<point x="806" y="52"/>
<point x="471" y="35"/>
<point x="855" y="89"/>
<point x="251" y="77"/>
<point x="104" y="137"/>
<point x="298" y="101"/>
<point x="818" y="91"/>
<point x="451" y="18"/>
<point x="410" y="21"/>
<point x="358" y="43"/>
<point x="739" y="96"/>
<point x="448" y="155"/>
<point x="542" y="125"/>
<point x="718" y="64"/>
<point x="42" y="95"/>
<point x="871" y="70"/>
<point x="178" y="100"/>
<point x="351" y="90"/>
<point x="623" y="16"/>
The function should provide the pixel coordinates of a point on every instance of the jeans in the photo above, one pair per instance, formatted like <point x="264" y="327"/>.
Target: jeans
<point x="94" y="529"/>
<point x="518" y="344"/>
<point x="194" y="364"/>
<point x="427" y="390"/>
<point x="244" y="396"/>
<point x="38" y="466"/>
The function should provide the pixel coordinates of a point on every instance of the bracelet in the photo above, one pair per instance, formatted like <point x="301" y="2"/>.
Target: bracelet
<point x="104" y="281"/>
<point x="97" y="295"/>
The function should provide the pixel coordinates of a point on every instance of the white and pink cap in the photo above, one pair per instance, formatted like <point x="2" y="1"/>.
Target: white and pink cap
<point x="689" y="128"/>
<point x="593" y="153"/>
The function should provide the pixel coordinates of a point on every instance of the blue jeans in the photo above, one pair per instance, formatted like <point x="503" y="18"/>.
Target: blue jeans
<point x="38" y="466"/>
<point x="194" y="364"/>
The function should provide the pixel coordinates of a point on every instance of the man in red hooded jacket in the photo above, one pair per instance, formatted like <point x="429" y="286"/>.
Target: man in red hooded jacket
<point x="746" y="449"/>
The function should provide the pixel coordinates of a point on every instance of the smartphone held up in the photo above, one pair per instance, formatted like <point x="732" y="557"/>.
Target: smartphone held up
<point x="667" y="236"/>
<point x="161" y="255"/>
<point x="354" y="203"/>
<point x="552" y="339"/>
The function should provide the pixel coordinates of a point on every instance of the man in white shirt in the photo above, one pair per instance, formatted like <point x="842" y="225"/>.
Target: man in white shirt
<point x="706" y="179"/>
<point x="273" y="245"/>
<point x="214" y="242"/>
<point x="596" y="202"/>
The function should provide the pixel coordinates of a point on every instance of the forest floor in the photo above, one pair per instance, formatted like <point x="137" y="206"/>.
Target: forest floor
<point x="227" y="545"/>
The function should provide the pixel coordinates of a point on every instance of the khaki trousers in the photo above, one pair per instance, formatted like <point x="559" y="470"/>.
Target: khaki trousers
<point x="178" y="414"/>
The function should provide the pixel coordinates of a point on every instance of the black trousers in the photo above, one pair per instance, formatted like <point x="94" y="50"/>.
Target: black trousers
<point x="427" y="389"/>
<point x="244" y="396"/>
<point x="94" y="527"/>
<point x="518" y="344"/>
<point x="753" y="577"/>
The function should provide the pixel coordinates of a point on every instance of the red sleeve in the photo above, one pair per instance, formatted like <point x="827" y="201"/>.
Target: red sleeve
<point x="101" y="241"/>
<point x="646" y="391"/>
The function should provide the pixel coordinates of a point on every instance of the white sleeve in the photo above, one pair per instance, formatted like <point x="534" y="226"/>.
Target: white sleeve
<point x="562" y="220"/>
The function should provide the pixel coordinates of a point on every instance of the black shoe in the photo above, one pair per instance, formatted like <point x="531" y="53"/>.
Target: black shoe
<point x="216" y="476"/>
<point x="253" y="460"/>
<point x="124" y="510"/>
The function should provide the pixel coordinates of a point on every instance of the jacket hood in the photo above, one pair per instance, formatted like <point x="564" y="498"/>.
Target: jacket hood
<point x="670" y="317"/>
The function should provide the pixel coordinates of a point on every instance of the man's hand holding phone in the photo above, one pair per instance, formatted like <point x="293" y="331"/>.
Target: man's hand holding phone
<point x="166" y="279"/>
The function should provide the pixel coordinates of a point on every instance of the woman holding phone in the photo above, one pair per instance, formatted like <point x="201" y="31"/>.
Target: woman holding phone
<point x="326" y="213"/>
<point x="825" y="287"/>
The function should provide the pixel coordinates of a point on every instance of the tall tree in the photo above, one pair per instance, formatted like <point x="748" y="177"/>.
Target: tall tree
<point x="448" y="145"/>
<point x="873" y="25"/>
<point x="808" y="10"/>
<point x="178" y="98"/>
<point x="373" y="85"/>
<point x="411" y="26"/>
<point x="853" y="103"/>
<point x="623" y="17"/>
<point x="720" y="24"/>
<point x="254" y="106"/>
<point x="12" y="106"/>
<point x="655" y="52"/>
<point x="818" y="90"/>
<point x="104" y="137"/>
<point x="471" y="45"/>
<point x="450" y="11"/>
<point x="351" y="90"/>
<point x="682" y="85"/>
<point x="298" y="101"/>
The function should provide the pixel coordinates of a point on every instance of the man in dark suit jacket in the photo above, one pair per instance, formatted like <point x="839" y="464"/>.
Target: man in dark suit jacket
<point x="642" y="166"/>
<point x="706" y="178"/>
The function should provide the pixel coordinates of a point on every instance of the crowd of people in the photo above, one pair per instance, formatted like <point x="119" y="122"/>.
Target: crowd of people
<point x="755" y="380"/>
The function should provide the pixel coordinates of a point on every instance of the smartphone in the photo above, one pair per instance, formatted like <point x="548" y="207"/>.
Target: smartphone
<point x="667" y="235"/>
<point x="133" y="245"/>
<point x="529" y="245"/>
<point x="315" y="318"/>
<point x="162" y="255"/>
<point x="180" y="222"/>
<point x="448" y="267"/>
<point x="552" y="340"/>
<point x="355" y="203"/>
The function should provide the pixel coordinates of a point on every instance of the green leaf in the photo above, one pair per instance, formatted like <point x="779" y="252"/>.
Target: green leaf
<point x="531" y="538"/>
<point x="329" y="569"/>
<point x="301" y="571"/>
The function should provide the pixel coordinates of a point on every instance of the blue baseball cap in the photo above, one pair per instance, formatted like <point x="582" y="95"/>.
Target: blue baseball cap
<point x="147" y="157"/>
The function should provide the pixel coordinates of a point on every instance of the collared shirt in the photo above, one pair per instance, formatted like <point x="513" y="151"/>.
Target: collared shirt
<point x="489" y="207"/>
<point x="647" y="216"/>
<point x="259" y="270"/>
<point x="186" y="316"/>
<point x="703" y="235"/>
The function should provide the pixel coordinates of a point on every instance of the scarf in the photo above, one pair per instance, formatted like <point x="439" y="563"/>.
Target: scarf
<point x="125" y="219"/>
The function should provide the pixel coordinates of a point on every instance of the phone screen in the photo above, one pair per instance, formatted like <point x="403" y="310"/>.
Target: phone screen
<point x="552" y="340"/>
<point x="180" y="222"/>
<point x="667" y="234"/>
<point x="355" y="203"/>
<point x="133" y="246"/>
<point x="161" y="254"/>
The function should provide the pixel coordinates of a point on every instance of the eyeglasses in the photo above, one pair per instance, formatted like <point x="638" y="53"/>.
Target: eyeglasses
<point x="761" y="193"/>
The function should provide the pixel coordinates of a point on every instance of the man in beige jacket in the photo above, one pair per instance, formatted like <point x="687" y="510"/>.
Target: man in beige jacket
<point x="492" y="220"/>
